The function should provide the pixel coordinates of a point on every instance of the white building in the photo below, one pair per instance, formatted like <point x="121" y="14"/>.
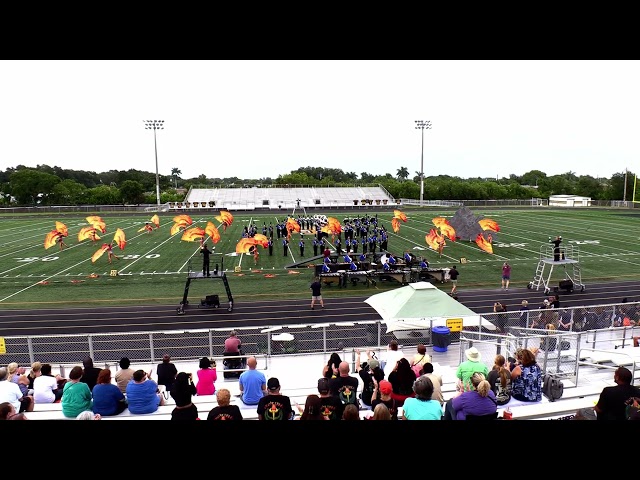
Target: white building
<point x="569" y="201"/>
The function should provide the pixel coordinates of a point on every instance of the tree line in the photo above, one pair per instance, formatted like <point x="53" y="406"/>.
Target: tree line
<point x="45" y="185"/>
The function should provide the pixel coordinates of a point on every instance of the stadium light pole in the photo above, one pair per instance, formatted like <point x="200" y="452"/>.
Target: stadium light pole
<point x="155" y="125"/>
<point x="422" y="125"/>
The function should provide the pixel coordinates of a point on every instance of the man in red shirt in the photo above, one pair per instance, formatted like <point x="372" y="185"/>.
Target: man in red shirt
<point x="506" y="275"/>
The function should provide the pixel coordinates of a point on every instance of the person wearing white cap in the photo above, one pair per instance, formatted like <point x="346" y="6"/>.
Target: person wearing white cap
<point x="467" y="368"/>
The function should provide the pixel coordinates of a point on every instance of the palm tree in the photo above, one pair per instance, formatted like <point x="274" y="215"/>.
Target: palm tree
<point x="402" y="173"/>
<point x="175" y="172"/>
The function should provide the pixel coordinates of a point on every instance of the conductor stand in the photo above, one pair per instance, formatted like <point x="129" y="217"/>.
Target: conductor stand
<point x="568" y="258"/>
<point x="297" y="207"/>
<point x="217" y="274"/>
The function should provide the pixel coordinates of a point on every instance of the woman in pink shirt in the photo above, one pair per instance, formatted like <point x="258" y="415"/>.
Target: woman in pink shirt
<point x="206" y="376"/>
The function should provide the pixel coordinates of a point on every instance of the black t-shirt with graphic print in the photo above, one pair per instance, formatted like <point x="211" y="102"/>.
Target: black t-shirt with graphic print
<point x="275" y="407"/>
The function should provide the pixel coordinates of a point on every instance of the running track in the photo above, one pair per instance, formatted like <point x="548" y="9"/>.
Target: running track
<point x="272" y="313"/>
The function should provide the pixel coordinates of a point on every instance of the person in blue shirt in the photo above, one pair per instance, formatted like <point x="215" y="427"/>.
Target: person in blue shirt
<point x="143" y="395"/>
<point x="252" y="383"/>
<point x="107" y="398"/>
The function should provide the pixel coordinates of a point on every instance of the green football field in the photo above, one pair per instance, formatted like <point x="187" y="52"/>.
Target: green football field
<point x="152" y="268"/>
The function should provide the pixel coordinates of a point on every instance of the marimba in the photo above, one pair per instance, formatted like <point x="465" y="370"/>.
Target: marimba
<point x="359" y="276"/>
<point x="401" y="276"/>
<point x="330" y="278"/>
<point x="428" y="274"/>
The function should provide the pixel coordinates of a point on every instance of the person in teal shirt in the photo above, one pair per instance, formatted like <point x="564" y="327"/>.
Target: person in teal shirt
<point x="422" y="406"/>
<point x="76" y="395"/>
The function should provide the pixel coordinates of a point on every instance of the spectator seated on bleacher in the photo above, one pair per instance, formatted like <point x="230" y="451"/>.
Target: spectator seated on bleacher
<point x="17" y="375"/>
<point x="367" y="371"/>
<point x="76" y="395"/>
<point x="331" y="405"/>
<point x="423" y="406"/>
<point x="479" y="400"/>
<point x="207" y="375"/>
<point x="382" y="394"/>
<point x="274" y="405"/>
<point x="612" y="404"/>
<point x="312" y="409"/>
<point x="46" y="387"/>
<point x="10" y="392"/>
<point x="182" y="392"/>
<point x="7" y="410"/>
<point x="526" y="377"/>
<point x="500" y="380"/>
<point x="467" y="368"/>
<point x="402" y="378"/>
<point x="436" y="380"/>
<point x="143" y="395"/>
<point x="224" y="410"/>
<point x="345" y="387"/>
<point x="549" y="344"/>
<point x="252" y="383"/>
<point x="124" y="374"/>
<point x="419" y="359"/>
<point x="107" y="398"/>
<point x="89" y="373"/>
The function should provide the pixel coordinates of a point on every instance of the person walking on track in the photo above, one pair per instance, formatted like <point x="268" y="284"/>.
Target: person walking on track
<point x="506" y="275"/>
<point x="316" y="292"/>
<point x="453" y="275"/>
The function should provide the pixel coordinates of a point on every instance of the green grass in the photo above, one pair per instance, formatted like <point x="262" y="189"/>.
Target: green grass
<point x="153" y="267"/>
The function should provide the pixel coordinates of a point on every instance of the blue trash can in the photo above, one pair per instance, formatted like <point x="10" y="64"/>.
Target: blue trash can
<point x="441" y="337"/>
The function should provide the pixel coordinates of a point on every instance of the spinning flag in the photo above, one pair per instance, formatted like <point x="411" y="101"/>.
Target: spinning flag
<point x="488" y="224"/>
<point x="193" y="234"/>
<point x="88" y="233"/>
<point x="98" y="254"/>
<point x="333" y="226"/>
<point x="484" y="244"/>
<point x="399" y="215"/>
<point x="183" y="219"/>
<point x="225" y="218"/>
<point x="51" y="238"/>
<point x="433" y="239"/>
<point x="261" y="239"/>
<point x="292" y="226"/>
<point x="445" y="228"/>
<point x="120" y="238"/>
<point x="62" y="228"/>
<point x="245" y="245"/>
<point x="97" y="223"/>
<point x="213" y="232"/>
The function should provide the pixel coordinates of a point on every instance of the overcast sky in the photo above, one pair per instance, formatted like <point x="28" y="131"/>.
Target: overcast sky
<point x="256" y="119"/>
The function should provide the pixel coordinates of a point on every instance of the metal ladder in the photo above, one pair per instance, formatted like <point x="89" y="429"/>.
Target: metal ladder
<point x="577" y="275"/>
<point x="537" y="279"/>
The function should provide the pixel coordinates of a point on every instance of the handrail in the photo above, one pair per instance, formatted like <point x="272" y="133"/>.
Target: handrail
<point x="599" y="365"/>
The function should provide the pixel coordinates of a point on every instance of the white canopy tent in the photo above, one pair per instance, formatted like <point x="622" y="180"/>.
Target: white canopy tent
<point x="420" y="306"/>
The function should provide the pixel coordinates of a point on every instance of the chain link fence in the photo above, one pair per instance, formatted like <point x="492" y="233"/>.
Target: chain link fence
<point x="598" y="327"/>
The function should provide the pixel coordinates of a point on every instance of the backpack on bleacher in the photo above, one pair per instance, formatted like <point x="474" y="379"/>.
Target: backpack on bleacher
<point x="552" y="387"/>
